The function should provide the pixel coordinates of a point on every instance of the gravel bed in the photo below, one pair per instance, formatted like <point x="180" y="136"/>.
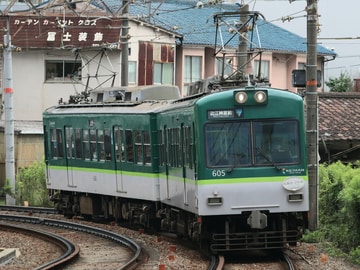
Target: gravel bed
<point x="31" y="252"/>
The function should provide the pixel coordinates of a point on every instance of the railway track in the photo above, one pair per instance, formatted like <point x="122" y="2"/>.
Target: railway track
<point x="116" y="238"/>
<point x="70" y="250"/>
<point x="216" y="263"/>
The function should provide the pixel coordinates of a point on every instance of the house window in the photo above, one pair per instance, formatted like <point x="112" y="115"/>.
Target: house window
<point x="264" y="69"/>
<point x="163" y="73"/>
<point x="132" y="72"/>
<point x="301" y="65"/>
<point x="192" y="70"/>
<point x="62" y="71"/>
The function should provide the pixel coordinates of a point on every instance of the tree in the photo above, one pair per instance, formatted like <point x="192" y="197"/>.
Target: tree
<point x="341" y="84"/>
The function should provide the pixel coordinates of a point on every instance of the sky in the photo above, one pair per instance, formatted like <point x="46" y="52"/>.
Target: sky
<point x="339" y="20"/>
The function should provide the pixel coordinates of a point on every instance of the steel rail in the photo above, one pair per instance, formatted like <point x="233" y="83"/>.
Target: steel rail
<point x="33" y="209"/>
<point x="120" y="239"/>
<point x="216" y="262"/>
<point x="290" y="265"/>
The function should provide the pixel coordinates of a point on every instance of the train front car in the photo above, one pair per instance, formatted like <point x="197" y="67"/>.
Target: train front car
<point x="252" y="171"/>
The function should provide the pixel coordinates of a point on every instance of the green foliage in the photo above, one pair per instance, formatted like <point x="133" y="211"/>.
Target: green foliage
<point x="341" y="84"/>
<point x="7" y="189"/>
<point x="355" y="255"/>
<point x="31" y="185"/>
<point x="313" y="237"/>
<point x="339" y="206"/>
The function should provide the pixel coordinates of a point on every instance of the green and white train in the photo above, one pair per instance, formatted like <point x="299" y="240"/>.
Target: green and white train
<point x="226" y="169"/>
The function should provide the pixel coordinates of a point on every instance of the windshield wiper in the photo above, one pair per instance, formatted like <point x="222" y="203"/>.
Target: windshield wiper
<point x="263" y="153"/>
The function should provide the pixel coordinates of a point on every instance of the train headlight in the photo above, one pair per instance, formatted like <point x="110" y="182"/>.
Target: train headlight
<point x="260" y="97"/>
<point x="241" y="97"/>
<point x="293" y="183"/>
<point x="251" y="97"/>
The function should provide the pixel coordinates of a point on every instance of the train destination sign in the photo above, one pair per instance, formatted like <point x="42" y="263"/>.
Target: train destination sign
<point x="225" y="114"/>
<point x="54" y="32"/>
<point x="220" y="114"/>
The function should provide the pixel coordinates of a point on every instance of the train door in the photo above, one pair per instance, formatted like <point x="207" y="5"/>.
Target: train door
<point x="70" y="154"/>
<point x="184" y="158"/>
<point x="166" y="160"/>
<point x="119" y="144"/>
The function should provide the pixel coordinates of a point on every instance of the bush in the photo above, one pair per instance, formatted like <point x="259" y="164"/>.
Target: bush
<point x="339" y="206"/>
<point x="30" y="185"/>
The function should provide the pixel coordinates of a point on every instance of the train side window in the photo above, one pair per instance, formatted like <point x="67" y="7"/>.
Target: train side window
<point x="56" y="143"/>
<point x="138" y="147"/>
<point x="69" y="140"/>
<point x="129" y="145"/>
<point x="107" y="142"/>
<point x="78" y="152"/>
<point x="188" y="147"/>
<point x="147" y="148"/>
<point x="86" y="145"/>
<point x="119" y="144"/>
<point x="93" y="148"/>
<point x="174" y="147"/>
<point x="161" y="147"/>
<point x="100" y="144"/>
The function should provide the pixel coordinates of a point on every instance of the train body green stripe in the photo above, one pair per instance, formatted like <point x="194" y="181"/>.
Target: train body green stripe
<point x="267" y="179"/>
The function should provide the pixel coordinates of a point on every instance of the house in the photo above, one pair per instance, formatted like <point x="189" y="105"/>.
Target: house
<point x="213" y="30"/>
<point x="339" y="127"/>
<point x="62" y="49"/>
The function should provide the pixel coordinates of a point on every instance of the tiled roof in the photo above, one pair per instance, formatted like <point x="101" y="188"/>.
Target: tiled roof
<point x="339" y="115"/>
<point x="25" y="127"/>
<point x="198" y="28"/>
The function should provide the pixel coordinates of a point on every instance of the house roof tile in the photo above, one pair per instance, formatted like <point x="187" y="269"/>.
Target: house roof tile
<point x="339" y="115"/>
<point x="197" y="26"/>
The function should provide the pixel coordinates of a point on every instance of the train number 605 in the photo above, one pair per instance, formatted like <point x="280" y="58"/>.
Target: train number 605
<point x="218" y="173"/>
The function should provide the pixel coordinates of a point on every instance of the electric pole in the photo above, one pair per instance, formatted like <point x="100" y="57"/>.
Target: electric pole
<point x="125" y="44"/>
<point x="312" y="111"/>
<point x="8" y="92"/>
<point x="242" y="49"/>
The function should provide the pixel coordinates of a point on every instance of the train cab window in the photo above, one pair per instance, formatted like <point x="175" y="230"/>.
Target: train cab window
<point x="276" y="142"/>
<point x="56" y="143"/>
<point x="228" y="144"/>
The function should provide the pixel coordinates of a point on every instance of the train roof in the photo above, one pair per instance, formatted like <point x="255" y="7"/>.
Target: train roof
<point x="135" y="94"/>
<point x="124" y="100"/>
<point x="119" y="100"/>
<point x="144" y="100"/>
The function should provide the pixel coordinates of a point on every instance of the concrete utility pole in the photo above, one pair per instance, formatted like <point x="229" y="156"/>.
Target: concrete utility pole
<point x="125" y="44"/>
<point x="242" y="50"/>
<point x="8" y="92"/>
<point x="312" y="111"/>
